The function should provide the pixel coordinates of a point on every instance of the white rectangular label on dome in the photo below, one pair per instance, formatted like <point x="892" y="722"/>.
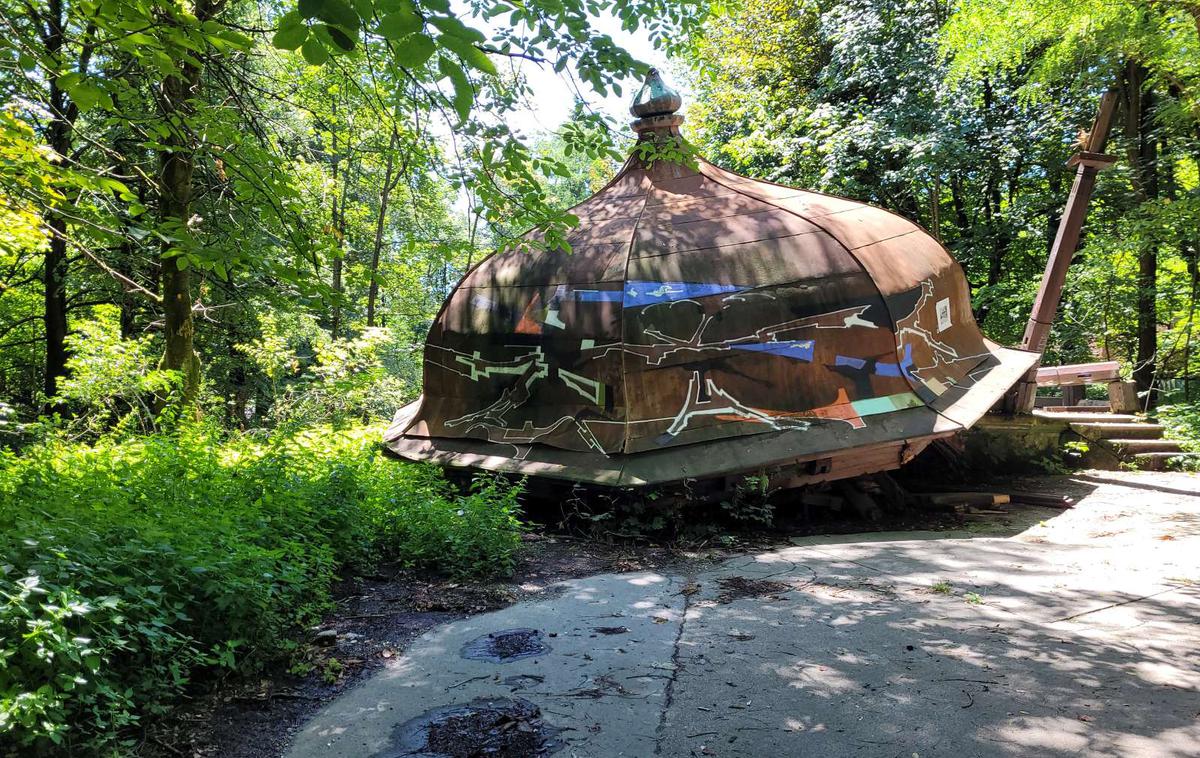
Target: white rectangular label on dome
<point x="943" y="314"/>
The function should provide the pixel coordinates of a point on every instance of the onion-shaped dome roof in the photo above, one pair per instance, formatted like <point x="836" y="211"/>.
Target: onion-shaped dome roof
<point x="705" y="324"/>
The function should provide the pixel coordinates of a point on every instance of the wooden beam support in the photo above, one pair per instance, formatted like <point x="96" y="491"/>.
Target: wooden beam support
<point x="1088" y="162"/>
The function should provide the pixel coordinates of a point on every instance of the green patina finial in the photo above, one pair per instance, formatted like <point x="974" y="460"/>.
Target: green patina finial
<point x="655" y="98"/>
<point x="655" y="106"/>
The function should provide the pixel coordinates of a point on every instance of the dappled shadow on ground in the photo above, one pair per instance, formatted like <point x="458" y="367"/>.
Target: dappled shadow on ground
<point x="1074" y="636"/>
<point x="377" y="617"/>
<point x="1037" y="632"/>
<point x="985" y="647"/>
<point x="1111" y="478"/>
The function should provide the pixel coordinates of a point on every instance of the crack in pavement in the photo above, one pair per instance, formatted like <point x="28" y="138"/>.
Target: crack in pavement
<point x="669" y="690"/>
<point x="1112" y="605"/>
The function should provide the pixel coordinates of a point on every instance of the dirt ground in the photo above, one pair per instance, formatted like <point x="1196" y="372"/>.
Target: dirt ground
<point x="378" y="616"/>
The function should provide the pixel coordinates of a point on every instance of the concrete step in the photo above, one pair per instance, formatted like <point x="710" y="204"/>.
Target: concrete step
<point x="1159" y="461"/>
<point x="1081" y="416"/>
<point x="1107" y="430"/>
<point x="1134" y="445"/>
<point x="1105" y="408"/>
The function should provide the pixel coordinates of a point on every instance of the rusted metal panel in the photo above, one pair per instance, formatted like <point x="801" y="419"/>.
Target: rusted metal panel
<point x="585" y="264"/>
<point x="656" y="237"/>
<point x="705" y="324"/>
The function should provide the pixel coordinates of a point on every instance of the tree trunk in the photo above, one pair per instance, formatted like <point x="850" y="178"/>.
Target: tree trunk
<point x="1143" y="158"/>
<point x="935" y="208"/>
<point x="337" y="224"/>
<point x="992" y="201"/>
<point x="54" y="272"/>
<point x="384" y="198"/>
<point x="176" y="166"/>
<point x="176" y="187"/>
<point x="54" y="316"/>
<point x="335" y="322"/>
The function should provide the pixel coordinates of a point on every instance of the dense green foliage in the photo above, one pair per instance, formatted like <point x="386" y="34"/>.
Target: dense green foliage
<point x="199" y="164"/>
<point x="1183" y="423"/>
<point x="131" y="565"/>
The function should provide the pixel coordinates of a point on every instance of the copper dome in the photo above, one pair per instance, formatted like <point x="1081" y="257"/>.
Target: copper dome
<point x="706" y="324"/>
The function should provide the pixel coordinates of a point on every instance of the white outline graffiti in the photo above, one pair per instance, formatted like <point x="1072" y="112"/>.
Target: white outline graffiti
<point x="721" y="402"/>
<point x="666" y="345"/>
<point x="943" y="354"/>
<point x="588" y="389"/>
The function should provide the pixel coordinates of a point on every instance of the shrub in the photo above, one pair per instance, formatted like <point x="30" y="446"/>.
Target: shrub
<point x="1183" y="422"/>
<point x="133" y="566"/>
<point x="111" y="383"/>
<point x="314" y="377"/>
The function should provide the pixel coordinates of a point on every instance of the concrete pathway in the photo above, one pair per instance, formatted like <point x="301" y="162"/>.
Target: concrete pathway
<point x="1078" y="636"/>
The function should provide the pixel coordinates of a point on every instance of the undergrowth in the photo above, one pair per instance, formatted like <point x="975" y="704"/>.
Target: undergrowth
<point x="1182" y="421"/>
<point x="134" y="568"/>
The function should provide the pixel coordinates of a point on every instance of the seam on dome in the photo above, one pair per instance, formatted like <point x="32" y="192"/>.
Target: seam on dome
<point x="625" y="168"/>
<point x="804" y="217"/>
<point x="621" y="321"/>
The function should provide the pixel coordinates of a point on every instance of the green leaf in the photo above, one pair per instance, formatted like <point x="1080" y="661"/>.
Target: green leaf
<point x="232" y="38"/>
<point x="339" y="13"/>
<point x="67" y="81"/>
<point x="464" y="96"/>
<point x="396" y="25"/>
<point x="87" y="96"/>
<point x="314" y="52"/>
<point x="473" y="56"/>
<point x="452" y="26"/>
<point x="309" y="8"/>
<point x="340" y="38"/>
<point x="291" y="33"/>
<point x="414" y="50"/>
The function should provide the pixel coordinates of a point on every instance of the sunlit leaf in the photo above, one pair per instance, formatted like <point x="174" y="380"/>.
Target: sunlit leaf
<point x="414" y="50"/>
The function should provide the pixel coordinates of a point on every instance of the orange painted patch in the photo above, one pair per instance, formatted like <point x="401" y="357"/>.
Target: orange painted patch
<point x="529" y="324"/>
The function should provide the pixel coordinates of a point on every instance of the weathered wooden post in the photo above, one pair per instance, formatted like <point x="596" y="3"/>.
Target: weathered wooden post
<point x="1089" y="161"/>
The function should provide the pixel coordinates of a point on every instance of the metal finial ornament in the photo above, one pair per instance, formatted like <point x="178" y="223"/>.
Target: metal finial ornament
<point x="655" y="106"/>
<point x="655" y="98"/>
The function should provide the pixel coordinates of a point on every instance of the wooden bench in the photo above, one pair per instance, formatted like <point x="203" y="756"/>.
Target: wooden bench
<point x="1122" y="396"/>
<point x="1079" y="373"/>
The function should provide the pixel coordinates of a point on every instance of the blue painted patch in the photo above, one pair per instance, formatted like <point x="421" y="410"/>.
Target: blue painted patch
<point x="599" y="296"/>
<point x="801" y="350"/>
<point x="845" y="360"/>
<point x="902" y="368"/>
<point x="648" y="293"/>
